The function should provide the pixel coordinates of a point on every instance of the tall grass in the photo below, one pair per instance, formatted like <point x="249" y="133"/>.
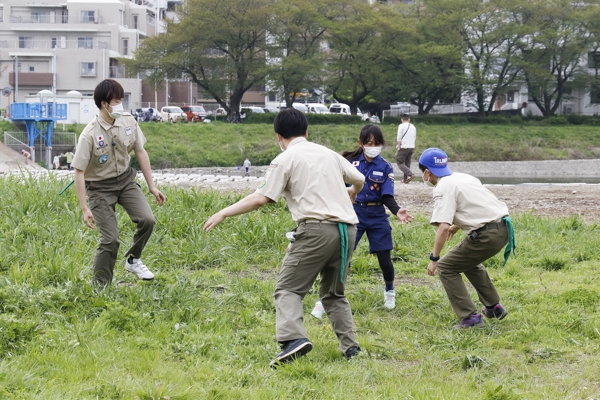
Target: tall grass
<point x="204" y="328"/>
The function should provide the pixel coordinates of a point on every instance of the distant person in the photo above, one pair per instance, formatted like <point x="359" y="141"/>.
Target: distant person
<point x="26" y="154"/>
<point x="247" y="165"/>
<point x="102" y="170"/>
<point x="322" y="244"/>
<point x="406" y="138"/>
<point x="56" y="161"/>
<point x="462" y="202"/>
<point x="376" y="194"/>
<point x="69" y="157"/>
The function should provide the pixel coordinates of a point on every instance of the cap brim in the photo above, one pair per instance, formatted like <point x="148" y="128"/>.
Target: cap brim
<point x="440" y="172"/>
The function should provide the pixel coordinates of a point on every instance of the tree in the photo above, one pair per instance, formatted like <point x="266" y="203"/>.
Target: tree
<point x="490" y="40"/>
<point x="219" y="44"/>
<point x="555" y="40"/>
<point x="355" y="52"/>
<point x="295" y="53"/>
<point x="423" y="55"/>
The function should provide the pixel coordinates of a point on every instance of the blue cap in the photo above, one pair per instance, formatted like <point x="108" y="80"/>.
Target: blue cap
<point x="436" y="161"/>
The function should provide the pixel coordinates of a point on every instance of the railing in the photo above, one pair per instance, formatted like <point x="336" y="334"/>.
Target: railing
<point x="15" y="141"/>
<point x="23" y="111"/>
<point x="28" y="18"/>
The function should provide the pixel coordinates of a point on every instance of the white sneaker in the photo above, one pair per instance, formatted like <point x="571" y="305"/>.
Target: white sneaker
<point x="318" y="311"/>
<point x="138" y="268"/>
<point x="389" y="299"/>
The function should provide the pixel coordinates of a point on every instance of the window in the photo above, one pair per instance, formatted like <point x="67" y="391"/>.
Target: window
<point x="88" y="16"/>
<point x="53" y="43"/>
<point x="25" y="42"/>
<point x="272" y="97"/>
<point x="88" y="69"/>
<point x="125" y="47"/>
<point x="85" y="43"/>
<point x="126" y="101"/>
<point x="40" y="17"/>
<point x="135" y="21"/>
<point x="31" y="69"/>
<point x="594" y="59"/>
<point x="595" y="93"/>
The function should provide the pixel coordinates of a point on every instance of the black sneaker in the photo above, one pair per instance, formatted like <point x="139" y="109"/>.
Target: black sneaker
<point x="291" y="350"/>
<point x="352" y="351"/>
<point x="495" y="312"/>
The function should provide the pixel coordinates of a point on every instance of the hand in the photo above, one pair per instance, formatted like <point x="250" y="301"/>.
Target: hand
<point x="404" y="216"/>
<point x="352" y="194"/>
<point x="213" y="221"/>
<point x="453" y="229"/>
<point x="160" y="198"/>
<point x="88" y="218"/>
<point x="431" y="268"/>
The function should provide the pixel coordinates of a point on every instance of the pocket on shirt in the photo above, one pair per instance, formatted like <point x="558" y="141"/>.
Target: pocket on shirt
<point x="376" y="178"/>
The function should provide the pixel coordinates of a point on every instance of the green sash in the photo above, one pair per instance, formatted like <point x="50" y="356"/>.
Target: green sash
<point x="344" y="245"/>
<point x="511" y="246"/>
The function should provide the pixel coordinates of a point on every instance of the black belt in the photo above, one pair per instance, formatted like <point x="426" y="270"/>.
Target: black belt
<point x="369" y="204"/>
<point x="492" y="225"/>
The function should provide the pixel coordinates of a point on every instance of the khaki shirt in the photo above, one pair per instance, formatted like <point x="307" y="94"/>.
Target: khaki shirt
<point x="103" y="149"/>
<point x="312" y="180"/>
<point x="461" y="200"/>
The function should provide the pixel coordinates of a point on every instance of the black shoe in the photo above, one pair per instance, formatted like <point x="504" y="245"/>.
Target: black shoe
<point x="352" y="351"/>
<point x="291" y="350"/>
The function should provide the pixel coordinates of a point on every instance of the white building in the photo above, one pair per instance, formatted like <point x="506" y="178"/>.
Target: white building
<point x="65" y="45"/>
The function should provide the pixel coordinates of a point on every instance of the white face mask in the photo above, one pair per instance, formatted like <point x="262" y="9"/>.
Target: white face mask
<point x="372" y="152"/>
<point x="280" y="145"/>
<point x="427" y="182"/>
<point x="117" y="111"/>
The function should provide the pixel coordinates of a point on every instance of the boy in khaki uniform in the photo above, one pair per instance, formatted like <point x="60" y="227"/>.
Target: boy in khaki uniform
<point x="312" y="180"/>
<point x="102" y="168"/>
<point x="462" y="202"/>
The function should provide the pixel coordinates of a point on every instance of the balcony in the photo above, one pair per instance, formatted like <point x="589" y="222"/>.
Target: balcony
<point x="117" y="71"/>
<point x="31" y="79"/>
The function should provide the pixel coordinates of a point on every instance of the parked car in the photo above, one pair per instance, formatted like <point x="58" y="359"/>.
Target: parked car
<point x="271" y="109"/>
<point x="173" y="114"/>
<point x="194" y="113"/>
<point x="146" y="115"/>
<point x="340" y="108"/>
<point x="316" y="108"/>
<point x="255" y="110"/>
<point x="219" y="111"/>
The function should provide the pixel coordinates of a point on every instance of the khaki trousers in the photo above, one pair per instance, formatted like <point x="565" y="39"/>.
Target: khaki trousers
<point x="316" y="251"/>
<point x="466" y="257"/>
<point x="102" y="198"/>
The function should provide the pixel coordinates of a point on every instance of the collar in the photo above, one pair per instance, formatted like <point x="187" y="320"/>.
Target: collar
<point x="105" y="125"/>
<point x="297" y="140"/>
<point x="362" y="158"/>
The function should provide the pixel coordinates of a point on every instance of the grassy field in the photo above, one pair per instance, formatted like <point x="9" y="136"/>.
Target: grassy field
<point x="223" y="144"/>
<point x="204" y="328"/>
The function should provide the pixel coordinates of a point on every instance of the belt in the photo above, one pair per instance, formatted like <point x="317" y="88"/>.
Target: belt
<point x="492" y="225"/>
<point x="317" y="221"/>
<point x="369" y="204"/>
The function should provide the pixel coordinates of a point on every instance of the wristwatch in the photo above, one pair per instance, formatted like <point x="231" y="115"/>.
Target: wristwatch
<point x="432" y="258"/>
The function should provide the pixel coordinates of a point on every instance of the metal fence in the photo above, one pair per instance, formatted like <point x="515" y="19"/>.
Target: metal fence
<point x="61" y="142"/>
<point x="13" y="141"/>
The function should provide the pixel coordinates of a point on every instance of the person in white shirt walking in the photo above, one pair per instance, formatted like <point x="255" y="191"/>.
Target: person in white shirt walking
<point x="247" y="165"/>
<point x="407" y="136"/>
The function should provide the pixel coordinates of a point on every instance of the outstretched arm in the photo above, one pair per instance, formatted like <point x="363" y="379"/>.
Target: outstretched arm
<point x="249" y="203"/>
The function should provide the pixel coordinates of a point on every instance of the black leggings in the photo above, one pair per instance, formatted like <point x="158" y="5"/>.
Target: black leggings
<point x="385" y="263"/>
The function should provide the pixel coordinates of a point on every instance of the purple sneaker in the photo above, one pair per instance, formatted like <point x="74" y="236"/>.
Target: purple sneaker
<point x="495" y="312"/>
<point x="473" y="320"/>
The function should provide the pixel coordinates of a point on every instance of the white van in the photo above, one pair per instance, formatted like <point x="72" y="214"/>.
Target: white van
<point x="297" y="106"/>
<point x="316" y="108"/>
<point x="341" y="108"/>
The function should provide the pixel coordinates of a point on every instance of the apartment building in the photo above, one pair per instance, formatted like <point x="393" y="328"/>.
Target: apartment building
<point x="65" y="45"/>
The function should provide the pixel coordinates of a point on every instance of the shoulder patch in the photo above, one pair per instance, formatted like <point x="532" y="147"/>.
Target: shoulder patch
<point x="438" y="196"/>
<point x="355" y="163"/>
<point x="391" y="176"/>
<point x="262" y="182"/>
<point x="273" y="164"/>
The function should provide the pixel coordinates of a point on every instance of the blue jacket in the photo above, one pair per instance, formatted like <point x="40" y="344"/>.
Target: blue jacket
<point x="379" y="178"/>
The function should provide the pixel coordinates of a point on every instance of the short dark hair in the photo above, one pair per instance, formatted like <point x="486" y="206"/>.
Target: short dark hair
<point x="405" y="116"/>
<point x="290" y="123"/>
<point x="422" y="167"/>
<point x="107" y="90"/>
